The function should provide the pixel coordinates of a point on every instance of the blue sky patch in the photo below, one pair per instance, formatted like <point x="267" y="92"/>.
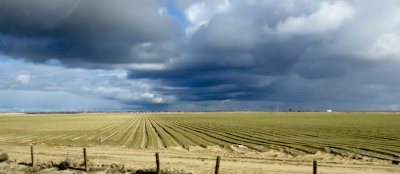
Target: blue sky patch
<point x="177" y="14"/>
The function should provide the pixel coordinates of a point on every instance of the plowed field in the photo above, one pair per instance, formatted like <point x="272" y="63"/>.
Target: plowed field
<point x="370" y="134"/>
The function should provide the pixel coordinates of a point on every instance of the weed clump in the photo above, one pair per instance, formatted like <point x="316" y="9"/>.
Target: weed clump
<point x="64" y="165"/>
<point x="3" y="157"/>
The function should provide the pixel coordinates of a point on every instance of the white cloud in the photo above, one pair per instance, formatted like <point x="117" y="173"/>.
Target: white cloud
<point x="196" y="13"/>
<point x="330" y="16"/>
<point x="153" y="98"/>
<point x="37" y="100"/>
<point x="161" y="11"/>
<point x="385" y="46"/>
<point x="146" y="66"/>
<point x="224" y="6"/>
<point x="200" y="14"/>
<point x="116" y="73"/>
<point x="108" y="86"/>
<point x="23" y="78"/>
<point x="146" y="44"/>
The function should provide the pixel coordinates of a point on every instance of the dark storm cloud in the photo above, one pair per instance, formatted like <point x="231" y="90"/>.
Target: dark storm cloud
<point x="291" y="54"/>
<point x="234" y="57"/>
<point x="231" y="55"/>
<point x="81" y="31"/>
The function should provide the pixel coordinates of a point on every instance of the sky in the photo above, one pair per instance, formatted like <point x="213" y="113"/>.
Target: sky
<point x="164" y="55"/>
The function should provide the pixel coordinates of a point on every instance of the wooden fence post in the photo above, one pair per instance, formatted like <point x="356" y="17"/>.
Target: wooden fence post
<point x="32" y="157"/>
<point x="158" y="163"/>
<point x="217" y="165"/>
<point x="85" y="160"/>
<point x="314" y="167"/>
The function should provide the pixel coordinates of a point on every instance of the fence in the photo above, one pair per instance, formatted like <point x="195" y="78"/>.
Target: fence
<point x="157" y="160"/>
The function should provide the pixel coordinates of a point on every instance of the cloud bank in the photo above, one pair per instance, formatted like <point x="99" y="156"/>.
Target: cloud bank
<point x="200" y="55"/>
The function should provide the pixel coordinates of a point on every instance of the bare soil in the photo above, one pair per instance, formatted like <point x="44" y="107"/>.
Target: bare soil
<point x="179" y="160"/>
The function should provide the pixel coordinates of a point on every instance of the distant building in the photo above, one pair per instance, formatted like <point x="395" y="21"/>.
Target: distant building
<point x="329" y="110"/>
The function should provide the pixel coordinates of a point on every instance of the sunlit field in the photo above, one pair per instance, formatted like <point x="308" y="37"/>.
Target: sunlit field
<point x="371" y="134"/>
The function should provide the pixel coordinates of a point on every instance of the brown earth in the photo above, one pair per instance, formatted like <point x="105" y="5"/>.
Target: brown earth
<point x="192" y="160"/>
